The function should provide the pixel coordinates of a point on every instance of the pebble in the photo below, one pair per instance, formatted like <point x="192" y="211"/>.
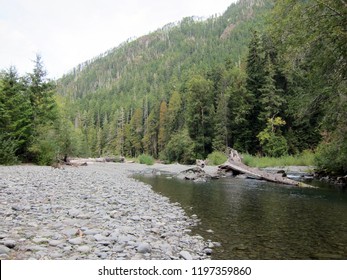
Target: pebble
<point x="185" y="255"/>
<point x="91" y="212"/>
<point x="144" y="248"/>
<point x="83" y="249"/>
<point x="10" y="243"/>
<point x="4" y="250"/>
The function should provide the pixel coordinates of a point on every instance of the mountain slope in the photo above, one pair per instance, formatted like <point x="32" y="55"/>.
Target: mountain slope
<point x="107" y="90"/>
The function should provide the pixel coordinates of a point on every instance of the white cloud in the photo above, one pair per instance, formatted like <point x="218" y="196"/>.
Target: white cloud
<point x="68" y="32"/>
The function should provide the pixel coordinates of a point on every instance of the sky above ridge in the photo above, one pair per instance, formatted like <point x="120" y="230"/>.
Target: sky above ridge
<point x="68" y="32"/>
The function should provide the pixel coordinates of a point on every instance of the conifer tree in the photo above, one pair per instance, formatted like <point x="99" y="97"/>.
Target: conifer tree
<point x="162" y="134"/>
<point x="136" y="132"/>
<point x="15" y="112"/>
<point x="220" y="140"/>
<point x="200" y="114"/>
<point x="174" y="121"/>
<point x="271" y="99"/>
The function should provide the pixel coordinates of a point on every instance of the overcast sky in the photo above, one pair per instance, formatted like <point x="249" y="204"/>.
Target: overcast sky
<point x="68" y="32"/>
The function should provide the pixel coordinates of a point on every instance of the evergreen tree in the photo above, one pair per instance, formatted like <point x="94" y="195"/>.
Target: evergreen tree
<point x="271" y="99"/>
<point x="15" y="112"/>
<point x="136" y="132"/>
<point x="162" y="136"/>
<point x="150" y="138"/>
<point x="174" y="112"/>
<point x="200" y="114"/>
<point x="255" y="81"/>
<point x="239" y="108"/>
<point x="220" y="140"/>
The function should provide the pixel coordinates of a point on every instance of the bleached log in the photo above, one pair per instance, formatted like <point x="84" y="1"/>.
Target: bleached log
<point x="235" y="164"/>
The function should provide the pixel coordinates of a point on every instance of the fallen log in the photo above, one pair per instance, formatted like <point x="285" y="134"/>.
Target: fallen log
<point x="235" y="164"/>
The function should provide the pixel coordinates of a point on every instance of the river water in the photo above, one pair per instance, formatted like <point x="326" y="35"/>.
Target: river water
<point x="259" y="220"/>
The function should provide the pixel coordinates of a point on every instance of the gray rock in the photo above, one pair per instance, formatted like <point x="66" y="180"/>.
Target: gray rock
<point x="55" y="242"/>
<point x="76" y="241"/>
<point x="40" y="240"/>
<point x="83" y="249"/>
<point x="74" y="212"/>
<point x="4" y="250"/>
<point x="144" y="248"/>
<point x="185" y="255"/>
<point x="69" y="232"/>
<point x="208" y="251"/>
<point x="91" y="232"/>
<point x="10" y="243"/>
<point x="99" y="237"/>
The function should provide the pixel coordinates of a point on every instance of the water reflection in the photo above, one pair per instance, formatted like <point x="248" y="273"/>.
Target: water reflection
<point x="258" y="220"/>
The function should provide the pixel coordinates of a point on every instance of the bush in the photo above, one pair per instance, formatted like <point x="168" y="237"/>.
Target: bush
<point x="146" y="159"/>
<point x="8" y="148"/>
<point x="216" y="158"/>
<point x="45" y="148"/>
<point x="332" y="156"/>
<point x="179" y="149"/>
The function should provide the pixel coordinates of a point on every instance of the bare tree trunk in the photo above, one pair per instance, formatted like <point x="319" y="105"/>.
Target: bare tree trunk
<point x="235" y="164"/>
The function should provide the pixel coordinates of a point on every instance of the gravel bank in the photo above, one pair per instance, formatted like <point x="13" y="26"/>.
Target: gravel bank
<point x="92" y="212"/>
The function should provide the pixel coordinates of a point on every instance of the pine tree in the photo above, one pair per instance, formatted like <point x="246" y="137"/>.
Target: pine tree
<point x="271" y="99"/>
<point x="174" y="121"/>
<point x="200" y="114"/>
<point x="150" y="138"/>
<point x="136" y="132"/>
<point x="162" y="136"/>
<point x="15" y="112"/>
<point x="220" y="140"/>
<point x="254" y="82"/>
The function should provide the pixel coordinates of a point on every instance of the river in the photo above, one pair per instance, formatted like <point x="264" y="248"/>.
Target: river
<point x="259" y="220"/>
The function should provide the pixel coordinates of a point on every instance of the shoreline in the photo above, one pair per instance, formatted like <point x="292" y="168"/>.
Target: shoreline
<point x="91" y="212"/>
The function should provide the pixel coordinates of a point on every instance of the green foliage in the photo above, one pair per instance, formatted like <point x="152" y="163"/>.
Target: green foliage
<point x="332" y="156"/>
<point x="8" y="148"/>
<point x="146" y="159"/>
<point x="29" y="114"/>
<point x="220" y="140"/>
<point x="179" y="149"/>
<point x="311" y="38"/>
<point x="200" y="114"/>
<point x="45" y="148"/>
<point x="157" y="68"/>
<point x="307" y="158"/>
<point x="272" y="142"/>
<point x="216" y="158"/>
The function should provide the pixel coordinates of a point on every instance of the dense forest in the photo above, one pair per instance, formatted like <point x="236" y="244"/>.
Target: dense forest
<point x="266" y="77"/>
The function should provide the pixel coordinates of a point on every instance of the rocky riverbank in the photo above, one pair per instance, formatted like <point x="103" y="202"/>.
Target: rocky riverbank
<point x="91" y="212"/>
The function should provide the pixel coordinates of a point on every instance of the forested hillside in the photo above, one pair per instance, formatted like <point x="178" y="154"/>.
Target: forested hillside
<point x="137" y="97"/>
<point x="266" y="77"/>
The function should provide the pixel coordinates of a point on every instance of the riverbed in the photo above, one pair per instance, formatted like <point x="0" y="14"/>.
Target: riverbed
<point x="91" y="212"/>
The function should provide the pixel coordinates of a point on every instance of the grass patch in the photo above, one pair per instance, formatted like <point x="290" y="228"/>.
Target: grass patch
<point x="146" y="159"/>
<point x="216" y="158"/>
<point x="306" y="158"/>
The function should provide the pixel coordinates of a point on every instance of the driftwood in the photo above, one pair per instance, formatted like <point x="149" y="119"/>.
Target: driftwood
<point x="235" y="164"/>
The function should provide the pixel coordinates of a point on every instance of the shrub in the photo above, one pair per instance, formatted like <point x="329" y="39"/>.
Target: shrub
<point x="216" y="158"/>
<point x="45" y="148"/>
<point x="146" y="159"/>
<point x="179" y="149"/>
<point x="8" y="148"/>
<point x="332" y="156"/>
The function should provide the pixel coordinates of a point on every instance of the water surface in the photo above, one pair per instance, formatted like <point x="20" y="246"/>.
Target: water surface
<point x="259" y="220"/>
